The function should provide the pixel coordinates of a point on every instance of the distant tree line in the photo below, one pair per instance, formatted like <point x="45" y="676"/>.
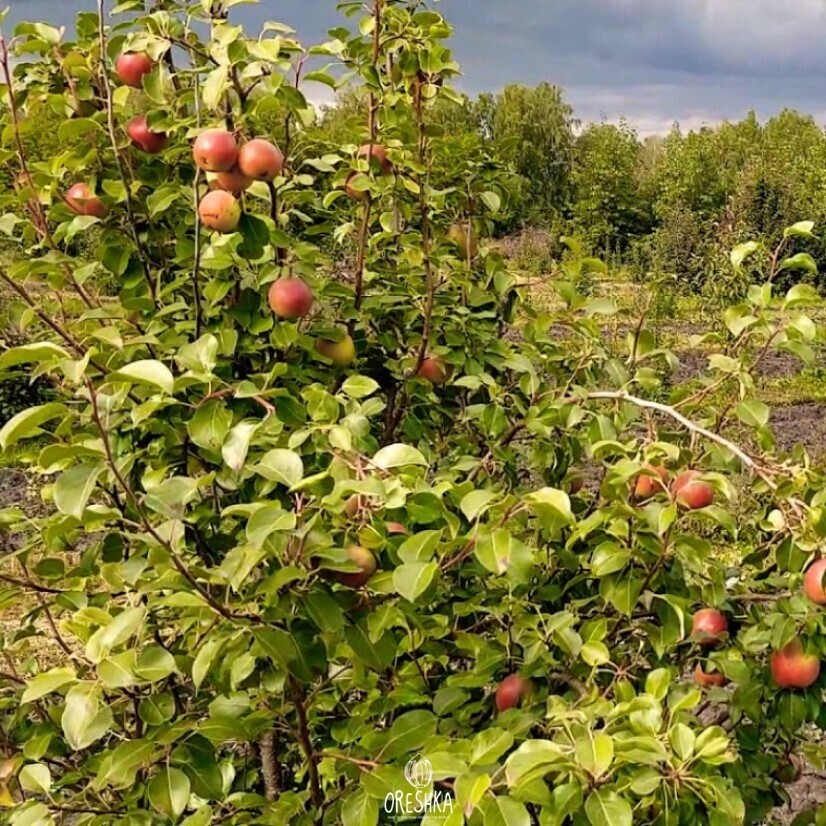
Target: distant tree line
<point x="668" y="206"/>
<point x="672" y="205"/>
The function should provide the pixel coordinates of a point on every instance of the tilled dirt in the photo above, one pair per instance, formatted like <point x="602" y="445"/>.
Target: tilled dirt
<point x="800" y="424"/>
<point x="774" y="365"/>
<point x="805" y="795"/>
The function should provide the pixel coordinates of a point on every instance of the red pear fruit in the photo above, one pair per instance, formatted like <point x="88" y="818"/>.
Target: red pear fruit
<point x="82" y="200"/>
<point x="395" y="528"/>
<point x="707" y="679"/>
<point x="341" y="352"/>
<point x="352" y="192"/>
<point x="144" y="138"/>
<point x="290" y="298"/>
<point x="708" y="626"/>
<point x="377" y="156"/>
<point x="260" y="160"/>
<point x="233" y="180"/>
<point x="215" y="150"/>
<point x="511" y="691"/>
<point x="791" y="668"/>
<point x="220" y="211"/>
<point x="434" y="370"/>
<point x="648" y="485"/>
<point x="691" y="492"/>
<point x="813" y="582"/>
<point x="131" y="67"/>
<point x="365" y="560"/>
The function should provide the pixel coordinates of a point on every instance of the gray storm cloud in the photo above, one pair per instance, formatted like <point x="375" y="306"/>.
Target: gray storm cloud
<point x="655" y="61"/>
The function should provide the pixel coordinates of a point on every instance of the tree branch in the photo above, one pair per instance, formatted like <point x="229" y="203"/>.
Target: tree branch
<point x="299" y="699"/>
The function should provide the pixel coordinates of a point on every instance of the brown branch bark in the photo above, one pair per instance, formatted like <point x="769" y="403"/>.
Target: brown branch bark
<point x="304" y="739"/>
<point x="270" y="765"/>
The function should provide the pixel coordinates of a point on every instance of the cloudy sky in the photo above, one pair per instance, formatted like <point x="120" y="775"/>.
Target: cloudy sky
<point x="654" y="61"/>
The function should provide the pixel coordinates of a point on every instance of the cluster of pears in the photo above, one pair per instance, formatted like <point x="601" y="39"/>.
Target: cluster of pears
<point x="236" y="168"/>
<point x="688" y="488"/>
<point x="790" y="667"/>
<point x="233" y="169"/>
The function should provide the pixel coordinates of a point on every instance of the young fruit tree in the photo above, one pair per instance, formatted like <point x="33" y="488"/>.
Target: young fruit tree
<point x="337" y="525"/>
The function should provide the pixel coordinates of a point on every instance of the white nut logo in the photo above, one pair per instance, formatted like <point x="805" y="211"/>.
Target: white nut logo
<point x="418" y="772"/>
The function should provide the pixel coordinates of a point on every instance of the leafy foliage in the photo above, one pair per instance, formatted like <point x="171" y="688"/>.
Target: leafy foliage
<point x="271" y="585"/>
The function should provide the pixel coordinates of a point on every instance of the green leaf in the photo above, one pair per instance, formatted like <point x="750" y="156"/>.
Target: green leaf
<point x="156" y="709"/>
<point x="474" y="504"/>
<point x="74" y="487"/>
<point x="488" y="746"/>
<point x="148" y="372"/>
<point x="256" y="236"/>
<point x="36" y="778"/>
<point x="552" y="507"/>
<point x="376" y="654"/>
<point x="492" y="201"/>
<point x="752" y="412"/>
<point x="47" y="682"/>
<point x="801" y="295"/>
<point x="409" y="733"/>
<point x="122" y="628"/>
<point x="204" y="659"/>
<point x="27" y="422"/>
<point x="532" y="761"/>
<point x="155" y="663"/>
<point x="360" y="810"/>
<point x="609" y="558"/>
<point x="284" y="466"/>
<point x="595" y="653"/>
<point x="278" y="645"/>
<point x="398" y="455"/>
<point x="682" y="738"/>
<point x="412" y="579"/>
<point x="209" y="427"/>
<point x="741" y="252"/>
<point x="200" y="355"/>
<point x="657" y="683"/>
<point x="214" y="86"/>
<point x="168" y="792"/>
<point x="359" y="387"/>
<point x="237" y="444"/>
<point x="27" y="353"/>
<point x="266" y="521"/>
<point x="30" y="814"/>
<point x="153" y="84"/>
<point x="595" y="753"/>
<point x="801" y="228"/>
<point x="160" y="201"/>
<point x="801" y="261"/>
<point x="84" y="719"/>
<point x="118" y="671"/>
<point x="171" y="496"/>
<point x="503" y="811"/>
<point x="203" y="817"/>
<point x="501" y="553"/>
<point x="607" y="808"/>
